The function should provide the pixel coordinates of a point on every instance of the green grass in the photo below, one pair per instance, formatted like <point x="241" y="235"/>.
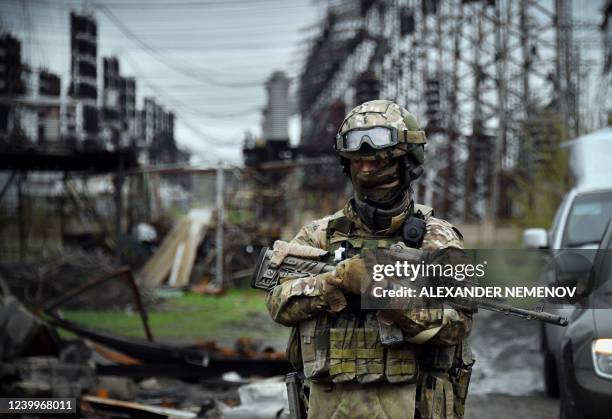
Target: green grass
<point x="184" y="318"/>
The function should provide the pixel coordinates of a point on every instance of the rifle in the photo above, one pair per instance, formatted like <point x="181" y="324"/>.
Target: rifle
<point x="267" y="275"/>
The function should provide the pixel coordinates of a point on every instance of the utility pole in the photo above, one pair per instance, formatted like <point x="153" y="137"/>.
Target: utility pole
<point x="118" y="183"/>
<point x="23" y="244"/>
<point x="220" y="222"/>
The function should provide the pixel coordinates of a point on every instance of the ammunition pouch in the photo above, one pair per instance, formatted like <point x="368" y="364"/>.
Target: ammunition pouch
<point x="348" y="348"/>
<point x="437" y="397"/>
<point x="293" y="351"/>
<point x="342" y="355"/>
<point x="445" y="383"/>
<point x="370" y="355"/>
<point x="342" y="348"/>
<point x="460" y="376"/>
<point x="314" y="336"/>
<point x="461" y="382"/>
<point x="401" y="365"/>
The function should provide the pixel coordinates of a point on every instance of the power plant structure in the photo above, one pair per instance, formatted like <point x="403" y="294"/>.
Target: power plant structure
<point x="488" y="80"/>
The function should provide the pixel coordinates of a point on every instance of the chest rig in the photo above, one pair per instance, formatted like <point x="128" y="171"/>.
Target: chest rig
<point x="353" y="346"/>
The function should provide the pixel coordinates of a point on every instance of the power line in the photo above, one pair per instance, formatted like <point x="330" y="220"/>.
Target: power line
<point x="225" y="6"/>
<point x="178" y="105"/>
<point x="187" y="108"/>
<point x="168" y="62"/>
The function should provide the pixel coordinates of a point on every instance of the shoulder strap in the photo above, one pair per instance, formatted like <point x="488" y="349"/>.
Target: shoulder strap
<point x="341" y="224"/>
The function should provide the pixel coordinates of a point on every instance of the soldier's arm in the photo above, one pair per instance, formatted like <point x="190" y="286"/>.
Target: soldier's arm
<point x="458" y="326"/>
<point x="296" y="299"/>
<point x="447" y="326"/>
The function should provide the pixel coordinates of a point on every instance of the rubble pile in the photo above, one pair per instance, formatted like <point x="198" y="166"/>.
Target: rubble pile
<point x="46" y="376"/>
<point x="73" y="374"/>
<point x="116" y="376"/>
<point x="34" y="284"/>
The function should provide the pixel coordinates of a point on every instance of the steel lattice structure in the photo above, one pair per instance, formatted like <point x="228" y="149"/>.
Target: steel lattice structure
<point x="481" y="76"/>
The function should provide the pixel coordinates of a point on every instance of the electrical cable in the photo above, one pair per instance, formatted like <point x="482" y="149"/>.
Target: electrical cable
<point x="154" y="54"/>
<point x="178" y="105"/>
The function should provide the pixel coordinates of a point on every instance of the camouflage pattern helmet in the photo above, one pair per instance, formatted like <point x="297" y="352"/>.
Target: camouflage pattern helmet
<point x="408" y="139"/>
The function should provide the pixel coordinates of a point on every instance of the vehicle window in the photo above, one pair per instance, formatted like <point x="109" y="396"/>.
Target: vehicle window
<point x="588" y="219"/>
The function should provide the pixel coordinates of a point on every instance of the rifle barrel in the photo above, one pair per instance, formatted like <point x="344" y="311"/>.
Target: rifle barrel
<point x="521" y="312"/>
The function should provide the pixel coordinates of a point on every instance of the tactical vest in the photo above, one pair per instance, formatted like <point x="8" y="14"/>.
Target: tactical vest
<point x="353" y="346"/>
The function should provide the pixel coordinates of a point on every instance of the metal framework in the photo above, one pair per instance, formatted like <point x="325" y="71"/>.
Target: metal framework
<point x="481" y="76"/>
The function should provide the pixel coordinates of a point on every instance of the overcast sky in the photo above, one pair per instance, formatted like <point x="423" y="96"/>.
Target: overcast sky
<point x="207" y="59"/>
<point x="204" y="59"/>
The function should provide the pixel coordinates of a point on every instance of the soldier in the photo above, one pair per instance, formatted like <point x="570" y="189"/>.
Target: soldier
<point x="353" y="368"/>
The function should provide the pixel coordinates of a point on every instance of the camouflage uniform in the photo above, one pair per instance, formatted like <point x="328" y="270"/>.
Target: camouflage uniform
<point x="296" y="302"/>
<point x="400" y="362"/>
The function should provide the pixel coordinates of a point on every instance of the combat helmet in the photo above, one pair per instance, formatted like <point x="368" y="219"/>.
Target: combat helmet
<point x="382" y="129"/>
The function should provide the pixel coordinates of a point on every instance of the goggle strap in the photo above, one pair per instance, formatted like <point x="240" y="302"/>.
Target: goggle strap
<point x="415" y="137"/>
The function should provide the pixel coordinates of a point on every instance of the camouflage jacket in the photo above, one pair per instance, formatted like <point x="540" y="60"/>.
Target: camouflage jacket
<point x="298" y="299"/>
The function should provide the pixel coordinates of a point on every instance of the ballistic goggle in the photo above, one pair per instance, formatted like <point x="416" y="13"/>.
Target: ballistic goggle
<point x="375" y="137"/>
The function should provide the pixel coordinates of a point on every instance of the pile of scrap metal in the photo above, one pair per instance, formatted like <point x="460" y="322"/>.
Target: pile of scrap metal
<point x="126" y="377"/>
<point x="36" y="282"/>
<point x="33" y="361"/>
<point x="264" y="399"/>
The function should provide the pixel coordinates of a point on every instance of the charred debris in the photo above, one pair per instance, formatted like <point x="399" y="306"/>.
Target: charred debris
<point x="117" y="376"/>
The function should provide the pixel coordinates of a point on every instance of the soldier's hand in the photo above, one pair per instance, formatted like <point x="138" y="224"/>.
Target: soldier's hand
<point x="349" y="275"/>
<point x="283" y="249"/>
<point x="333" y="295"/>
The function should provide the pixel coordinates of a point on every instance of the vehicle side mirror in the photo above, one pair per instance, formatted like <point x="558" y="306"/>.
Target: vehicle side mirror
<point x="535" y="238"/>
<point x="572" y="269"/>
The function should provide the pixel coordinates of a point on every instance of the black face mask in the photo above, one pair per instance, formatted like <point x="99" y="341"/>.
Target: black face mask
<point x="379" y="219"/>
<point x="381" y="187"/>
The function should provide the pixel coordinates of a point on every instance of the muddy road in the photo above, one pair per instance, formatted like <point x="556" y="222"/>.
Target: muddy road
<point x="507" y="378"/>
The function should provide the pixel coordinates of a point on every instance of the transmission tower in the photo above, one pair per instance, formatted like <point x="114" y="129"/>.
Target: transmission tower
<point x="482" y="77"/>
